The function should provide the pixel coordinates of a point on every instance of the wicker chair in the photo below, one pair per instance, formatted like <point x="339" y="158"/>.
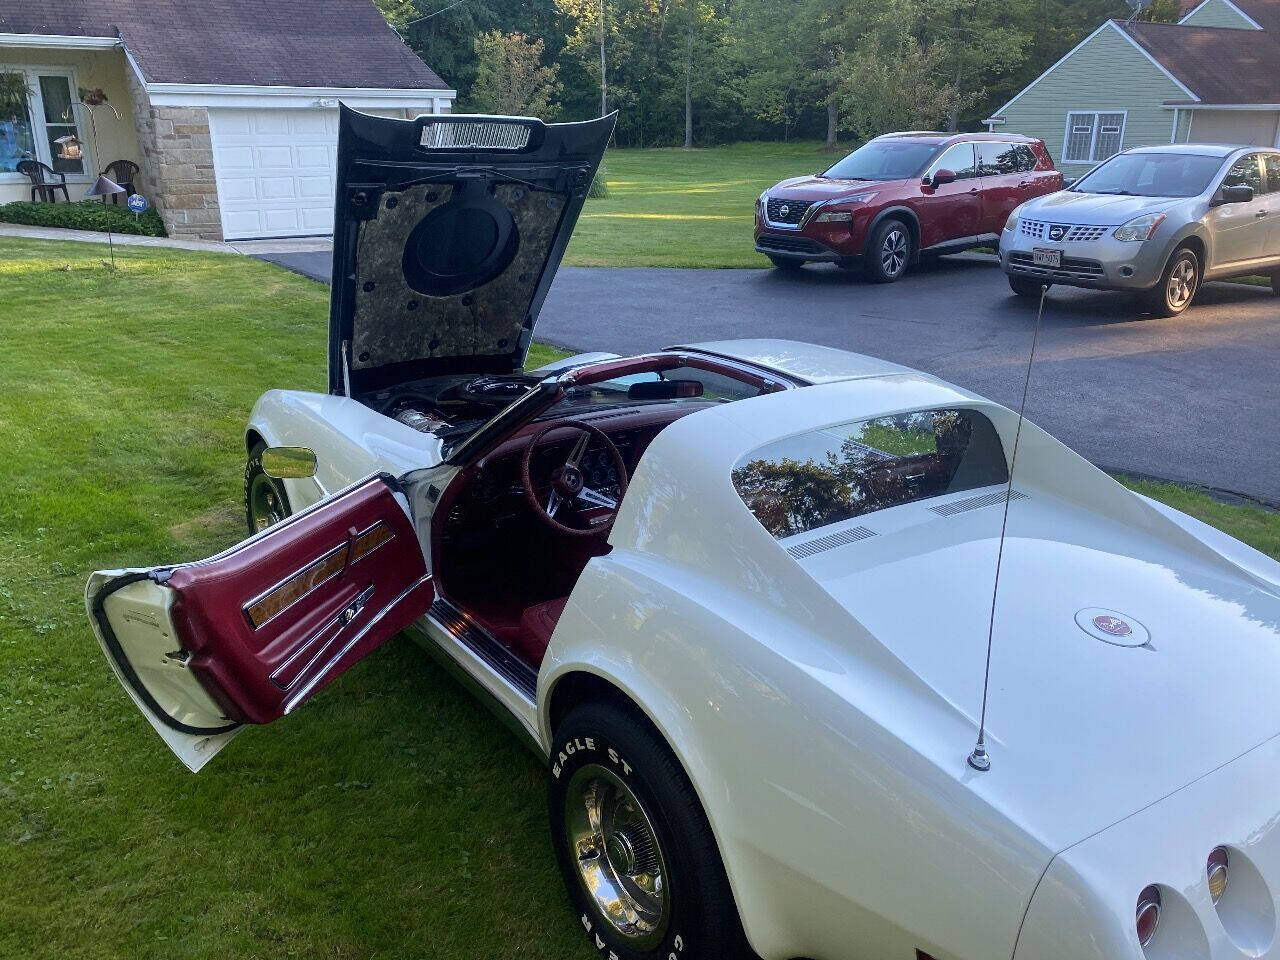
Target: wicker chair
<point x="125" y="173"/>
<point x="41" y="176"/>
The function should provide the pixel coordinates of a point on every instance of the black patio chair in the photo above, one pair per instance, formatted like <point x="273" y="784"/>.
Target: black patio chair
<point x="125" y="173"/>
<point x="41" y="176"/>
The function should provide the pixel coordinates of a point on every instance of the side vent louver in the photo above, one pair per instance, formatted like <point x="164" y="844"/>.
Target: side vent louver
<point x="975" y="503"/>
<point x="811" y="547"/>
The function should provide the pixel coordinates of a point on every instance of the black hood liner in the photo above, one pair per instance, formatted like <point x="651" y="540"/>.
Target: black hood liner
<point x="442" y="258"/>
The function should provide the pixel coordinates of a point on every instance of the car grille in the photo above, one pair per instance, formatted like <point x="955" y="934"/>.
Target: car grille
<point x="1073" y="268"/>
<point x="1043" y="230"/>
<point x="785" y="211"/>
<point x="789" y="244"/>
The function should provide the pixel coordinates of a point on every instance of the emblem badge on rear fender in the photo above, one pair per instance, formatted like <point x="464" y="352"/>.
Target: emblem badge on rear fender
<point x="1112" y="627"/>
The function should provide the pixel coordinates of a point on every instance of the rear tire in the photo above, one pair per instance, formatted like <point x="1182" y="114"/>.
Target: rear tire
<point x="1026" y="287"/>
<point x="787" y="264"/>
<point x="1178" y="285"/>
<point x="630" y="835"/>
<point x="265" y="500"/>
<point x="889" y="251"/>
<point x="1275" y="283"/>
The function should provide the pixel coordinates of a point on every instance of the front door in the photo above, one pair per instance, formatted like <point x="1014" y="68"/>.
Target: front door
<point x="951" y="211"/>
<point x="1239" y="228"/>
<point x="248" y="635"/>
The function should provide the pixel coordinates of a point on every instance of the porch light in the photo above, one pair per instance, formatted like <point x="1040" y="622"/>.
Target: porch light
<point x="69" y="147"/>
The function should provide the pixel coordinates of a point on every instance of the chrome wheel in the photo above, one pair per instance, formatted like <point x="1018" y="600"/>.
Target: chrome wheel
<point x="1182" y="284"/>
<point x="265" y="506"/>
<point x="893" y="252"/>
<point x="615" y="847"/>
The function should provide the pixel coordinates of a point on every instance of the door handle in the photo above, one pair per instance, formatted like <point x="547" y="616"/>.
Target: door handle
<point x="1025" y="183"/>
<point x="1261" y="213"/>
<point x="973" y="189"/>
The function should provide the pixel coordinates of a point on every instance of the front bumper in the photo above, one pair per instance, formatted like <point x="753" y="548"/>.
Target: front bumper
<point x="795" y="246"/>
<point x="1083" y="908"/>
<point x="1102" y="264"/>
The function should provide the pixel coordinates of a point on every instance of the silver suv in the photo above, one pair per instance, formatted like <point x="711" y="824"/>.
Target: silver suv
<point x="1160" y="220"/>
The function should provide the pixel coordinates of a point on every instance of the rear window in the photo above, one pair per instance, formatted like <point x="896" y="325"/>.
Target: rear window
<point x="825" y="476"/>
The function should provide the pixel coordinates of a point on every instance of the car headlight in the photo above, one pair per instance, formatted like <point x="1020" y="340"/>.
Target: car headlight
<point x="1012" y="222"/>
<point x="844" y="216"/>
<point x="1139" y="228"/>
<point x="762" y="199"/>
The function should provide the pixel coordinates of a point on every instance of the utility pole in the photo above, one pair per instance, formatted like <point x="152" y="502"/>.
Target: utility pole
<point x="604" y="86"/>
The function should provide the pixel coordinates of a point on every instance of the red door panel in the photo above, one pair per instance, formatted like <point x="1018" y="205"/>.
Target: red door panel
<point x="273" y="620"/>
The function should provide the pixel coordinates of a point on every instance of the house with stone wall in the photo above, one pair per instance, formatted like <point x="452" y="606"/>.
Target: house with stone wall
<point x="229" y="107"/>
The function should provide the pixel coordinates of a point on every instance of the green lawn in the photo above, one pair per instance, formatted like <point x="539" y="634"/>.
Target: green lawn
<point x="391" y="818"/>
<point x="685" y="208"/>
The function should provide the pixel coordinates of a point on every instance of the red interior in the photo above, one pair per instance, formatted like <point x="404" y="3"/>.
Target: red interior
<point x="496" y="559"/>
<point x="307" y="642"/>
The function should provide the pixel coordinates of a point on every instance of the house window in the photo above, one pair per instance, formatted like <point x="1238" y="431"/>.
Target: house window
<point x="30" y="132"/>
<point x="1092" y="137"/>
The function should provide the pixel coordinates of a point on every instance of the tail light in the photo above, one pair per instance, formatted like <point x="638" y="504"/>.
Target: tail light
<point x="1217" y="871"/>
<point x="1148" y="914"/>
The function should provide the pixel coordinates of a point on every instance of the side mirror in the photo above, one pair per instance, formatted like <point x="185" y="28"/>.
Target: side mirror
<point x="289" y="463"/>
<point x="1241" y="193"/>
<point x="942" y="176"/>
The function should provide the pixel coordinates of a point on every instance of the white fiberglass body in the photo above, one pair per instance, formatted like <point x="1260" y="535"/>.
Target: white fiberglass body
<point x="790" y="609"/>
<point x="824" y="706"/>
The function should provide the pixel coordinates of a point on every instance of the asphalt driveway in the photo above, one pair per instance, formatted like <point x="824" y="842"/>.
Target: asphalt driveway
<point x="1194" y="399"/>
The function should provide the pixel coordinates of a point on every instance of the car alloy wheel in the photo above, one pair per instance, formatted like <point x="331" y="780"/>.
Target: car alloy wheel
<point x="888" y="252"/>
<point x="1182" y="284"/>
<point x="1178" y="285"/>
<point x="639" y="861"/>
<point x="618" y="855"/>
<point x="893" y="252"/>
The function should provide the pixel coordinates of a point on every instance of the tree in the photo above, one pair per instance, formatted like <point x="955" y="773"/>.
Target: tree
<point x="1161" y="11"/>
<point x="510" y="78"/>
<point x="894" y="87"/>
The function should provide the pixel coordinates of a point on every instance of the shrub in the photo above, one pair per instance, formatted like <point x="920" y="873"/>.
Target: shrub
<point x="85" y="215"/>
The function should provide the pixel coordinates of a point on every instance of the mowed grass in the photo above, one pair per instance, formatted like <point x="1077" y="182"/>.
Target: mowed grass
<point x="686" y="208"/>
<point x="392" y="817"/>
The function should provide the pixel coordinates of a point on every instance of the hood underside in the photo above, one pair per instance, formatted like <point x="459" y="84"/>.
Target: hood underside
<point x="448" y="231"/>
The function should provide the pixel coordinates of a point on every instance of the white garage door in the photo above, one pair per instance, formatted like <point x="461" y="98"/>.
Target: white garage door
<point x="275" y="171"/>
<point x="1251" y="128"/>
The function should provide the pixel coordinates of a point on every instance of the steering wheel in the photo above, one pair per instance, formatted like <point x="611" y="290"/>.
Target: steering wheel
<point x="568" y="489"/>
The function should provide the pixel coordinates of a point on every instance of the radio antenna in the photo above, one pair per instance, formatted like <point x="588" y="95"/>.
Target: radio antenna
<point x="979" y="759"/>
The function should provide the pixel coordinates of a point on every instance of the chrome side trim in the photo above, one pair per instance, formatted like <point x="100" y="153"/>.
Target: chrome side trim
<point x="484" y="645"/>
<point x="311" y="684"/>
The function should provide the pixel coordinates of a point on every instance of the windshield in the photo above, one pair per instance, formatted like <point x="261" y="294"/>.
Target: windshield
<point x="678" y="385"/>
<point x="1151" y="175"/>
<point x="884" y="160"/>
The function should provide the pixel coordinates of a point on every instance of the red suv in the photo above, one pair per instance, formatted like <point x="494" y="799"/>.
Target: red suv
<point x="902" y="195"/>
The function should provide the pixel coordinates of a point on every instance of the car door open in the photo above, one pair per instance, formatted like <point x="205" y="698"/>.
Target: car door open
<point x="246" y="636"/>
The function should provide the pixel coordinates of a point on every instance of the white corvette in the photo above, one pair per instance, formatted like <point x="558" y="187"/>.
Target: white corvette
<point x="738" y="595"/>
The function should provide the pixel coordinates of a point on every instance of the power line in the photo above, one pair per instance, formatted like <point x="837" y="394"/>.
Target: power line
<point x="410" y="23"/>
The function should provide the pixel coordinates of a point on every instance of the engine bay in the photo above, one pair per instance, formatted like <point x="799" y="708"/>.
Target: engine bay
<point x="450" y="408"/>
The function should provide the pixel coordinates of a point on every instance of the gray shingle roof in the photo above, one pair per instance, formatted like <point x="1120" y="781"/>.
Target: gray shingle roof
<point x="307" y="43"/>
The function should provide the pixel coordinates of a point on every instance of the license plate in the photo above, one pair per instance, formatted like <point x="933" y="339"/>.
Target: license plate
<point x="1046" y="258"/>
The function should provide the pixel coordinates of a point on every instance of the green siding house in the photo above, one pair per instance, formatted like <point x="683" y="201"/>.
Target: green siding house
<point x="1213" y="77"/>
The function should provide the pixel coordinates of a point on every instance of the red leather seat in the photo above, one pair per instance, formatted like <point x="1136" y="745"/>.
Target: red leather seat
<point x="536" y="624"/>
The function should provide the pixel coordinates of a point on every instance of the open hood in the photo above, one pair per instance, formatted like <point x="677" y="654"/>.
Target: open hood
<point x="447" y="234"/>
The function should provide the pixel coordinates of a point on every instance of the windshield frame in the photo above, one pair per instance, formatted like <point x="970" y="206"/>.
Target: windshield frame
<point x="1210" y="184"/>
<point x="938" y="149"/>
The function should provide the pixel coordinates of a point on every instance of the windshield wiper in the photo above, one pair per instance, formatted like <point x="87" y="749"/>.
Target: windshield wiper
<point x="1117" y="193"/>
